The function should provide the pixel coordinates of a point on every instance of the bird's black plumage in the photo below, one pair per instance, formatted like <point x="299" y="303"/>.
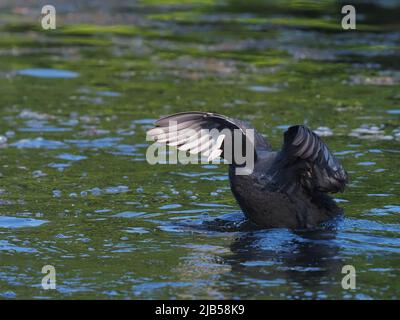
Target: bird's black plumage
<point x="287" y="188"/>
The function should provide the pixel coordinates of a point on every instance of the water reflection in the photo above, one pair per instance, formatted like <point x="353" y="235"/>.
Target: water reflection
<point x="297" y="264"/>
<point x="48" y="73"/>
<point x="305" y="260"/>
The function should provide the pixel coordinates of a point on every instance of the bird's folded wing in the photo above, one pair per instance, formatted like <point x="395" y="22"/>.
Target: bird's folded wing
<point x="321" y="169"/>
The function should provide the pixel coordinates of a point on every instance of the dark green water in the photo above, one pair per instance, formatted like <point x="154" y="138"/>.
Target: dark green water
<point x="77" y="193"/>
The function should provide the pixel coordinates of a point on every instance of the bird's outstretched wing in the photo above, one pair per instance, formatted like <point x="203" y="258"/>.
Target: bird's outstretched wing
<point x="317" y="167"/>
<point x="204" y="133"/>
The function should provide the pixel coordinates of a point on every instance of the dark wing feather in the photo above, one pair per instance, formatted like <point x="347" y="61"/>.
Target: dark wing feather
<point x="187" y="135"/>
<point x="317" y="167"/>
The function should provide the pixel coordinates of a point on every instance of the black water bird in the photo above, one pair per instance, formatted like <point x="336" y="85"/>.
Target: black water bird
<point x="286" y="189"/>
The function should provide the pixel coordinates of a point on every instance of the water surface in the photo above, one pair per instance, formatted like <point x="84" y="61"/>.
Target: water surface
<point x="77" y="193"/>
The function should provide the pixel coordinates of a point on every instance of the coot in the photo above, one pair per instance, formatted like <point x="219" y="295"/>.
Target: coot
<point x="286" y="189"/>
